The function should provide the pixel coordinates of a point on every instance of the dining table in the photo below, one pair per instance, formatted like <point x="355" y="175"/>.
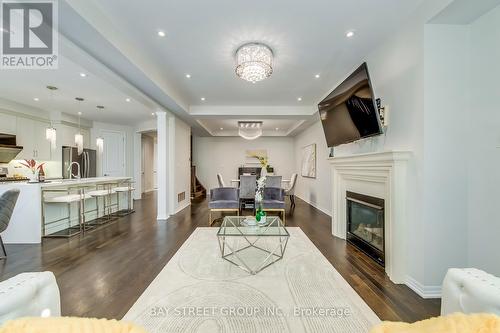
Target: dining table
<point x="237" y="181"/>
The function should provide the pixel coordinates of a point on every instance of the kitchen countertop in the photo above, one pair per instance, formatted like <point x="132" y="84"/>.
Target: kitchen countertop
<point x="28" y="220"/>
<point x="82" y="181"/>
<point x="67" y="182"/>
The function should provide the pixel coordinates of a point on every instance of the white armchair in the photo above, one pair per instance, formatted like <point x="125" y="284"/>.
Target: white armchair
<point x="469" y="291"/>
<point x="29" y="295"/>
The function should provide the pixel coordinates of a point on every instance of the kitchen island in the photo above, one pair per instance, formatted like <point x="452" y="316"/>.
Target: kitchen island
<point x="27" y="222"/>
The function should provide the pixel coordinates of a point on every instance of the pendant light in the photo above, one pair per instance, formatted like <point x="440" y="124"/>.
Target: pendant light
<point x="99" y="141"/>
<point x="79" y="136"/>
<point x="50" y="132"/>
<point x="250" y="130"/>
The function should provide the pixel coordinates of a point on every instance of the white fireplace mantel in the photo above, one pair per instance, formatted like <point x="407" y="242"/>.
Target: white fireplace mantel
<point x="382" y="175"/>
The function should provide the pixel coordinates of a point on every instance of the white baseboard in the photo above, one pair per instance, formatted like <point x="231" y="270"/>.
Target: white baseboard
<point x="187" y="204"/>
<point x="162" y="217"/>
<point x="421" y="290"/>
<point x="326" y="211"/>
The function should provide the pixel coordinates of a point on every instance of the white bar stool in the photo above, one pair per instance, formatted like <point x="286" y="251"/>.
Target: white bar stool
<point x="105" y="194"/>
<point x="124" y="189"/>
<point x="67" y="199"/>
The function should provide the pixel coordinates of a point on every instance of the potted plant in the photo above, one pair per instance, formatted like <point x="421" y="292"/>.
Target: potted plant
<point x="33" y="167"/>
<point x="260" y="215"/>
<point x="264" y="163"/>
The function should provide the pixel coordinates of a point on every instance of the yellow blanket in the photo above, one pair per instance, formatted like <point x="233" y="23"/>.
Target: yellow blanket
<point x="455" y="323"/>
<point x="68" y="325"/>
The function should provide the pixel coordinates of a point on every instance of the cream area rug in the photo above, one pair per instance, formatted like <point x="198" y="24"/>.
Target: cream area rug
<point x="198" y="291"/>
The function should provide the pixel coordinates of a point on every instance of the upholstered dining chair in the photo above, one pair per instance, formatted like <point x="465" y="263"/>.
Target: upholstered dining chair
<point x="290" y="190"/>
<point x="220" y="180"/>
<point x="274" y="201"/>
<point x="7" y="203"/>
<point x="248" y="185"/>
<point x="274" y="181"/>
<point x="223" y="199"/>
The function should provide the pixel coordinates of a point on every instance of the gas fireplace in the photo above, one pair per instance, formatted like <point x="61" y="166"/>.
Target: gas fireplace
<point x="365" y="225"/>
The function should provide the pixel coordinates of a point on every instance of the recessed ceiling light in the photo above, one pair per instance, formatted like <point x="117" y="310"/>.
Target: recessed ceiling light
<point x="277" y="128"/>
<point x="349" y="34"/>
<point x="222" y="128"/>
<point x="83" y="74"/>
<point x="79" y="113"/>
<point x="317" y="76"/>
<point x="127" y="100"/>
<point x="36" y="99"/>
<point x="188" y="76"/>
<point x="299" y="99"/>
<point x="161" y="33"/>
<point x="152" y="113"/>
<point x="203" y="98"/>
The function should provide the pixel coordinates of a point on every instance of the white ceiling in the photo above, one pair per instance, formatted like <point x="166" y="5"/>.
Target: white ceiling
<point x="307" y="37"/>
<point x="217" y="126"/>
<point x="98" y="87"/>
<point x="129" y="59"/>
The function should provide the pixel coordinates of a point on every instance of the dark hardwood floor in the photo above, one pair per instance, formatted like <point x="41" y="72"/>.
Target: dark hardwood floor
<point x="103" y="273"/>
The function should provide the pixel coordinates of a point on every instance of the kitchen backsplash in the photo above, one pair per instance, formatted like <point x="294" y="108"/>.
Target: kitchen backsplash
<point x="52" y="168"/>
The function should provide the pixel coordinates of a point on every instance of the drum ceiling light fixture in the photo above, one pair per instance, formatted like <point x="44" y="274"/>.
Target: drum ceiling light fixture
<point x="254" y="62"/>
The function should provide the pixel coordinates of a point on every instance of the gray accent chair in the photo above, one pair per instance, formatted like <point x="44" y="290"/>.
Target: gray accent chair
<point x="290" y="190"/>
<point x="274" y="201"/>
<point x="274" y="181"/>
<point x="220" y="181"/>
<point x="7" y="203"/>
<point x="223" y="199"/>
<point x="248" y="186"/>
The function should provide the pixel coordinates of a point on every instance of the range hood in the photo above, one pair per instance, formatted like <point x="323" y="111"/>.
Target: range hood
<point x="8" y="148"/>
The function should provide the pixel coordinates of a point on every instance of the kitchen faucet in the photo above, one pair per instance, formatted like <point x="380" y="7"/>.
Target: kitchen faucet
<point x="70" y="169"/>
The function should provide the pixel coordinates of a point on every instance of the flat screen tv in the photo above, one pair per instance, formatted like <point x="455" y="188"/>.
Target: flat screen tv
<point x="350" y="112"/>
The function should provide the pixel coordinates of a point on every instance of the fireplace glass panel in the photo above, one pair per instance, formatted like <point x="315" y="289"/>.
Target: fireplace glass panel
<point x="367" y="223"/>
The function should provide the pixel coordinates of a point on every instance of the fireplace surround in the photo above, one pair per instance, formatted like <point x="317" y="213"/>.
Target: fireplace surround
<point x="381" y="175"/>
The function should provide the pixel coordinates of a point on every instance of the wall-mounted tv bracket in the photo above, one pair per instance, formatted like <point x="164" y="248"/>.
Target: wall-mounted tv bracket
<point x="383" y="112"/>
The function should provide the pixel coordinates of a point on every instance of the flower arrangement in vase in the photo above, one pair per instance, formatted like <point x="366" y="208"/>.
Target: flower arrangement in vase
<point x="31" y="164"/>
<point x="260" y="215"/>
<point x="264" y="163"/>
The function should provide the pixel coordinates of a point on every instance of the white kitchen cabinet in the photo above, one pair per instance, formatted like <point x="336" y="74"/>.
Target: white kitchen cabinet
<point x="8" y="124"/>
<point x="67" y="136"/>
<point x="31" y="135"/>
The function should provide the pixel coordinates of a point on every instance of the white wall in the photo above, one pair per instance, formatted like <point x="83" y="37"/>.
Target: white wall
<point x="483" y="123"/>
<point x="315" y="191"/>
<point x="441" y="85"/>
<point x="445" y="160"/>
<point x="397" y="71"/>
<point x="182" y="165"/>
<point x="225" y="155"/>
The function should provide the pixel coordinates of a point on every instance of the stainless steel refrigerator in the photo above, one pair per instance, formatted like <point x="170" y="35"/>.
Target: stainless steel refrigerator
<point x="87" y="161"/>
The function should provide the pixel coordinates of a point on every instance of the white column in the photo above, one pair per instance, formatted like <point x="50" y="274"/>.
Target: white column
<point x="171" y="165"/>
<point x="163" y="165"/>
<point x="138" y="166"/>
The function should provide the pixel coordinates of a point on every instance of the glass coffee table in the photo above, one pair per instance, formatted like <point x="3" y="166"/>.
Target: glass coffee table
<point x="252" y="247"/>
